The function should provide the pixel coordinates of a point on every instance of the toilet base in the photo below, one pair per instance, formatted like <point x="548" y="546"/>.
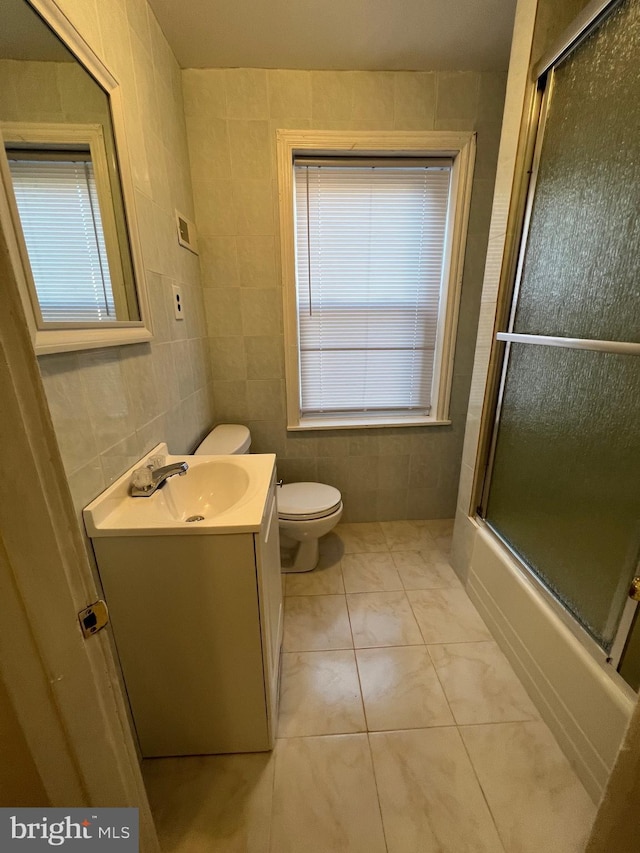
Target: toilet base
<point x="299" y="540"/>
<point x="302" y="557"/>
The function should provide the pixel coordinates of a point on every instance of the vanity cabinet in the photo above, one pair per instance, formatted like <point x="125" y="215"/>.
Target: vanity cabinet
<point x="197" y="621"/>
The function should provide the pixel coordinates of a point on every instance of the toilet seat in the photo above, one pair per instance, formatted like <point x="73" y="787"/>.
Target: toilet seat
<point x="307" y="501"/>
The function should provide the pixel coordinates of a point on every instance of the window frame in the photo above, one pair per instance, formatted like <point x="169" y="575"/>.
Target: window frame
<point x="460" y="147"/>
<point x="63" y="139"/>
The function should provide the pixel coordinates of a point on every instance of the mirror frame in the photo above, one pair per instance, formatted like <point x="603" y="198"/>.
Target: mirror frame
<point x="91" y="337"/>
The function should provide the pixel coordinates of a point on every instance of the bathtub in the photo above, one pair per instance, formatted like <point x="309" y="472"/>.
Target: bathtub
<point x="582" y="699"/>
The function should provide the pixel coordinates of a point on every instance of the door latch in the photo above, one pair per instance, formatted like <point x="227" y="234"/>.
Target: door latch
<point x="634" y="591"/>
<point x="93" y="618"/>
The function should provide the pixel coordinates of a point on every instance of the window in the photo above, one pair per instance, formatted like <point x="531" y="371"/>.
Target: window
<point x="60" y="215"/>
<point x="372" y="249"/>
<point x="70" y="224"/>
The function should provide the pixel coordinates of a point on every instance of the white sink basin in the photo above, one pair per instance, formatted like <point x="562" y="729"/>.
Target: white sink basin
<point x="205" y="490"/>
<point x="218" y="494"/>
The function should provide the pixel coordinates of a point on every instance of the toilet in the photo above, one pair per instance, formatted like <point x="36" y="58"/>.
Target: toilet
<point x="306" y="511"/>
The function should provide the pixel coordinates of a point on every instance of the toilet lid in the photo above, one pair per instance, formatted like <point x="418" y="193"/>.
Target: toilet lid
<point x="307" y="500"/>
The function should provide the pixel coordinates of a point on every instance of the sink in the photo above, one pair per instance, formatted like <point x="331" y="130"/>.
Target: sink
<point x="206" y="490"/>
<point x="218" y="494"/>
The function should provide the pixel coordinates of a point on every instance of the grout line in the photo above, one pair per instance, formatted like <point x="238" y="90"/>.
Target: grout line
<point x="415" y="618"/>
<point x="323" y="734"/>
<point x="375" y="782"/>
<point x="316" y="595"/>
<point x="364" y="707"/>
<point x="309" y="651"/>
<point x="502" y="840"/>
<point x="421" y="728"/>
<point x="442" y="687"/>
<point x="462" y="643"/>
<point x="499" y="723"/>
<point x="353" y="642"/>
<point x="392" y="646"/>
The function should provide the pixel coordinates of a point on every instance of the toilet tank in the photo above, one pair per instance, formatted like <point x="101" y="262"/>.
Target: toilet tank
<point x="225" y="440"/>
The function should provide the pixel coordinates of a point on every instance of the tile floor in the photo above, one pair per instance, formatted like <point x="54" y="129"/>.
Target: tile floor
<point x="402" y="726"/>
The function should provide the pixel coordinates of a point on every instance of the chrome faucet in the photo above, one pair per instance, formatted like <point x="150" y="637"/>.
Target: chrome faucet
<point x="147" y="480"/>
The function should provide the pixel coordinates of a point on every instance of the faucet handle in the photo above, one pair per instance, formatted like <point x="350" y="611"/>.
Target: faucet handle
<point x="158" y="461"/>
<point x="142" y="478"/>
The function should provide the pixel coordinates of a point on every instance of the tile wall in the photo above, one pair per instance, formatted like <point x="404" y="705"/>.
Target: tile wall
<point x="111" y="405"/>
<point x="232" y="116"/>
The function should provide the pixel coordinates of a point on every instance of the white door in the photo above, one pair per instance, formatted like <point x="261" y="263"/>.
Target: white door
<point x="64" y="689"/>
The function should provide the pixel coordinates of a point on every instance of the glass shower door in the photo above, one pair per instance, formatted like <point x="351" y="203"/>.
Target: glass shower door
<point x="564" y="488"/>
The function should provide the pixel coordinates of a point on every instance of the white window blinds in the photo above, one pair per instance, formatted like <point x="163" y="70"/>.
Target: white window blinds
<point x="60" y="216"/>
<point x="370" y="245"/>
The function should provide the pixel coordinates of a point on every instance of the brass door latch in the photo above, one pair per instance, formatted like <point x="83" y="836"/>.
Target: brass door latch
<point x="93" y="618"/>
<point x="634" y="591"/>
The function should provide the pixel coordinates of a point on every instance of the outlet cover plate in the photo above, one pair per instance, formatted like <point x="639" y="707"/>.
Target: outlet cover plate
<point x="178" y="307"/>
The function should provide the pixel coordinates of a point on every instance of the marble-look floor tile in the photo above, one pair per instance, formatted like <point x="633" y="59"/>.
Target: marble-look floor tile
<point x="366" y="537"/>
<point x="424" y="570"/>
<point x="213" y="802"/>
<point x="430" y="798"/>
<point x="382" y="619"/>
<point x="440" y="526"/>
<point x="535" y="797"/>
<point x="319" y="694"/>
<point x="447" y="616"/>
<point x="370" y="573"/>
<point x="407" y="535"/>
<point x="331" y="546"/>
<point x="315" y="622"/>
<point x="444" y="543"/>
<point x="441" y="529"/>
<point x="480" y="685"/>
<point x="401" y="690"/>
<point x="325" y="579"/>
<point x="324" y="798"/>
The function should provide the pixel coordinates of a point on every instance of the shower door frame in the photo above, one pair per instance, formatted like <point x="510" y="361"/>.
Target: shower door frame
<point x="591" y="17"/>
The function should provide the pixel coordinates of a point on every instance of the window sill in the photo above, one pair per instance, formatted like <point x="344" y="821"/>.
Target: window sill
<point x="68" y="340"/>
<point x="360" y="423"/>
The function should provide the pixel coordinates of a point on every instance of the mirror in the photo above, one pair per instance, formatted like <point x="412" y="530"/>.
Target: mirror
<point x="64" y="189"/>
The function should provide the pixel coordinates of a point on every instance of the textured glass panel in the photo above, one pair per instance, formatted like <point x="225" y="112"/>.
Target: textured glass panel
<point x="582" y="266"/>
<point x="565" y="485"/>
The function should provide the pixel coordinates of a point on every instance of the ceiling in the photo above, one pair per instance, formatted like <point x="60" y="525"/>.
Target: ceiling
<point x="414" y="35"/>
